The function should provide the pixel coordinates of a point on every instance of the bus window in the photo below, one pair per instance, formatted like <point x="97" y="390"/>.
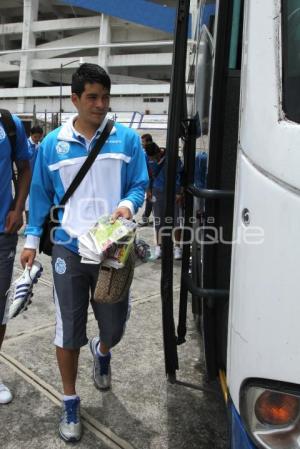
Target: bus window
<point x="207" y="15"/>
<point x="204" y="69"/>
<point x="236" y="35"/>
<point x="291" y="59"/>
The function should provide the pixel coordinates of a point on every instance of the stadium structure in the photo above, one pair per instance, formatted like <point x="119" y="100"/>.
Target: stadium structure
<point x="43" y="41"/>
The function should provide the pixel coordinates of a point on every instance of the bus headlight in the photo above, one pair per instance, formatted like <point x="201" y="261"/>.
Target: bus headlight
<point x="276" y="409"/>
<point x="271" y="416"/>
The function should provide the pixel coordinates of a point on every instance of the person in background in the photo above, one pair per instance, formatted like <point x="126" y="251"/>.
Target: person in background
<point x="147" y="138"/>
<point x="157" y="156"/>
<point x="36" y="135"/>
<point x="11" y="217"/>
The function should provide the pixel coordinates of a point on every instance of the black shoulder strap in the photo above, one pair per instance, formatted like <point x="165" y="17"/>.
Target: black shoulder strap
<point x="88" y="162"/>
<point x="10" y="129"/>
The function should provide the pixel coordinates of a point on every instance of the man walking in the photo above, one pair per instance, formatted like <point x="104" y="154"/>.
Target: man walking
<point x="114" y="184"/>
<point x="11" y="215"/>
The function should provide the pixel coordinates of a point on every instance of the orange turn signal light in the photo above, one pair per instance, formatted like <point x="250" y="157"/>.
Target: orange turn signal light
<point x="277" y="409"/>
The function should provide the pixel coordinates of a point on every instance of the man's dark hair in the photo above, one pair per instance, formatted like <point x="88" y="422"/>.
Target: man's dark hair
<point x="147" y="137"/>
<point x="152" y="149"/>
<point x="36" y="130"/>
<point x="89" y="73"/>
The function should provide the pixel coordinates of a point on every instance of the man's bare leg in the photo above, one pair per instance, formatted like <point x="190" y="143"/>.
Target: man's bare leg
<point x="70" y="427"/>
<point x="68" y="366"/>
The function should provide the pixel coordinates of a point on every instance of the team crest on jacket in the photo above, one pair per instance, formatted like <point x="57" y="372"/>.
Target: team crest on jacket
<point x="62" y="147"/>
<point x="60" y="266"/>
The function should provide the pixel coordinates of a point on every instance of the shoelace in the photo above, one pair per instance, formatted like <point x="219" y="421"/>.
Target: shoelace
<point x="104" y="364"/>
<point x="72" y="410"/>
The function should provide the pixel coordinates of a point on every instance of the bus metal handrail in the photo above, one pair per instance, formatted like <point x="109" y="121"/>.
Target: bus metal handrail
<point x="203" y="292"/>
<point x="210" y="193"/>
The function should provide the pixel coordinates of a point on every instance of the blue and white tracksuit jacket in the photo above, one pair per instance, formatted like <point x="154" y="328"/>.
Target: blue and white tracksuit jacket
<point x="22" y="154"/>
<point x="118" y="177"/>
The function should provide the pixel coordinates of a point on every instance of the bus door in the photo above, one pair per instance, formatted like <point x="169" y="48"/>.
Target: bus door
<point x="215" y="118"/>
<point x="216" y="103"/>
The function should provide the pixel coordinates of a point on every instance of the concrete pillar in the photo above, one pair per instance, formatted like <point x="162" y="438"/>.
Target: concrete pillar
<point x="30" y="14"/>
<point x="3" y="39"/>
<point x="193" y="11"/>
<point x="104" y="38"/>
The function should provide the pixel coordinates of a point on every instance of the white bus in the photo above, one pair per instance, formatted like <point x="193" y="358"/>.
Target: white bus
<point x="244" y="275"/>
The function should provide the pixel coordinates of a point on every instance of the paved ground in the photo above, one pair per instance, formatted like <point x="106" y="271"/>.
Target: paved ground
<point x="142" y="411"/>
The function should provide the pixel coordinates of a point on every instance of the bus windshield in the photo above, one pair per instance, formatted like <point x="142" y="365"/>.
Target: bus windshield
<point x="291" y="59"/>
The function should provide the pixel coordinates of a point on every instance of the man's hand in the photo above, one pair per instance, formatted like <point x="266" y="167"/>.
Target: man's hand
<point x="27" y="257"/>
<point x="14" y="221"/>
<point x="124" y="212"/>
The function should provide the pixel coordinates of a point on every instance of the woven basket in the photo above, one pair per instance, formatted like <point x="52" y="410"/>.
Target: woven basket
<point x="113" y="284"/>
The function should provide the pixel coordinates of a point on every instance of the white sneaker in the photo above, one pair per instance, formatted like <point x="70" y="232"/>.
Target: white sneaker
<point x="5" y="394"/>
<point x="102" y="369"/>
<point x="70" y="428"/>
<point x="20" y="291"/>
<point x="157" y="252"/>
<point x="177" y="253"/>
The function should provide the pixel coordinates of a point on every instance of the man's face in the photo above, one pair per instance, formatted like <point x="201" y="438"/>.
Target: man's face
<point x="93" y="104"/>
<point x="145" y="141"/>
<point x="36" y="137"/>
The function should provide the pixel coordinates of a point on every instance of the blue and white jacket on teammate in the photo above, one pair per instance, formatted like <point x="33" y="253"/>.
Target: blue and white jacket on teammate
<point x="118" y="177"/>
<point x="21" y="154"/>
